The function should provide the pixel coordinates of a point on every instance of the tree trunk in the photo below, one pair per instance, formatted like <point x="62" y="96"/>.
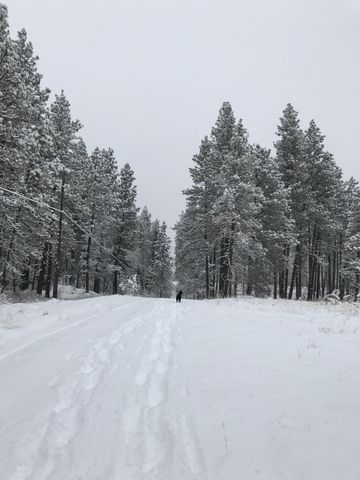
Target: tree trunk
<point x="207" y="278"/>
<point x="329" y="275"/>
<point x="7" y="259"/>
<point x="284" y="274"/>
<point x="115" y="283"/>
<point x="59" y="239"/>
<point x="357" y="280"/>
<point x="341" y="280"/>
<point x="87" y="272"/>
<point x="296" y="274"/>
<point x="97" y="282"/>
<point x="275" y="286"/>
<point x="323" y="282"/>
<point x="333" y="269"/>
<point x="318" y="281"/>
<point x="312" y="264"/>
<point x="49" y="272"/>
<point x="286" y="279"/>
<point x="292" y="281"/>
<point x="249" y="286"/>
<point x="41" y="277"/>
<point x="230" y="258"/>
<point x="33" y="280"/>
<point x="222" y="273"/>
<point x="25" y="276"/>
<point x="13" y="276"/>
<point x="214" y="272"/>
<point x="299" y="276"/>
<point x="281" y="284"/>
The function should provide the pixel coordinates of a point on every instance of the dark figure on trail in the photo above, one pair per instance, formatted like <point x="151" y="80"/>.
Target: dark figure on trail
<point x="178" y="296"/>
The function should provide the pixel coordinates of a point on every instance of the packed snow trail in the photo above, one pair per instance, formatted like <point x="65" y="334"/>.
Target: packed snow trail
<point x="96" y="394"/>
<point x="122" y="388"/>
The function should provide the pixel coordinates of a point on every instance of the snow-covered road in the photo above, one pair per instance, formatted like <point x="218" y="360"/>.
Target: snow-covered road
<point x="91" y="390"/>
<point x="123" y="388"/>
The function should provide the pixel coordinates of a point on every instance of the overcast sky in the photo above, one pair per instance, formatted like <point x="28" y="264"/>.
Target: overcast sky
<point x="147" y="77"/>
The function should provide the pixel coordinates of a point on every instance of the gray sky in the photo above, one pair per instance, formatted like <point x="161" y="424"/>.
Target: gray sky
<point x="147" y="77"/>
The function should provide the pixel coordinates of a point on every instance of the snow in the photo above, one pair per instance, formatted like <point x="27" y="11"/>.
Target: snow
<point x="283" y="380"/>
<point x="131" y="388"/>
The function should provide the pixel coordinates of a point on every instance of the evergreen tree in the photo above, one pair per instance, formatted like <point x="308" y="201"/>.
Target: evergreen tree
<point x="143" y="252"/>
<point x="64" y="216"/>
<point x="290" y="157"/>
<point x="63" y="140"/>
<point x="102" y="207"/>
<point x="194" y="272"/>
<point x="236" y="207"/>
<point x="222" y="135"/>
<point x="200" y="202"/>
<point x="160" y="272"/>
<point x="278" y="221"/>
<point x="350" y="266"/>
<point x="276" y="226"/>
<point x="126" y="220"/>
<point x="22" y="165"/>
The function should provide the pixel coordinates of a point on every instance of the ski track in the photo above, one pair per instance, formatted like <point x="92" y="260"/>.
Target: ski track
<point x="157" y="426"/>
<point x="126" y="390"/>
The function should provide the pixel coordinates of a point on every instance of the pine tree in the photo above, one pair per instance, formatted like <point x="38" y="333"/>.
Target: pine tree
<point x="160" y="273"/>
<point x="143" y="252"/>
<point x="102" y="207"/>
<point x="63" y="137"/>
<point x="236" y="207"/>
<point x="64" y="216"/>
<point x="276" y="226"/>
<point x="22" y="164"/>
<point x="126" y="220"/>
<point x="200" y="201"/>
<point x="221" y="136"/>
<point x="191" y="264"/>
<point x="266" y="215"/>
<point x="290" y="158"/>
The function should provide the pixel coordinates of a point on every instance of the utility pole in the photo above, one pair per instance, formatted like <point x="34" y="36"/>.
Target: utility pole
<point x="58" y="252"/>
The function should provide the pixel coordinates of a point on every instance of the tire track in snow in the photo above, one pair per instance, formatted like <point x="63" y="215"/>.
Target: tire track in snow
<point x="52" y="333"/>
<point x="48" y="451"/>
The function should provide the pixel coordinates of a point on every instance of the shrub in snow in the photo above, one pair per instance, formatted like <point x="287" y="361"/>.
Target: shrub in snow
<point x="3" y="298"/>
<point x="333" y="297"/>
<point x="130" y="286"/>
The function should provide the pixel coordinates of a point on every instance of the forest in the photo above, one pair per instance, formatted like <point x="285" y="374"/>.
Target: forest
<point x="257" y="222"/>
<point x="286" y="225"/>
<point x="66" y="216"/>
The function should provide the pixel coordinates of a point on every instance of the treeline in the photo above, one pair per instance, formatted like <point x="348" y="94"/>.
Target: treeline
<point x="66" y="216"/>
<point x="286" y="225"/>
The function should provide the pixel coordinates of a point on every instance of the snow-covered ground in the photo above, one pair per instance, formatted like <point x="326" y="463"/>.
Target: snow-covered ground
<point x="123" y="388"/>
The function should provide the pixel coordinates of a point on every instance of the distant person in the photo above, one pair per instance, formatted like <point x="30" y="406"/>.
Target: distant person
<point x="178" y="296"/>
